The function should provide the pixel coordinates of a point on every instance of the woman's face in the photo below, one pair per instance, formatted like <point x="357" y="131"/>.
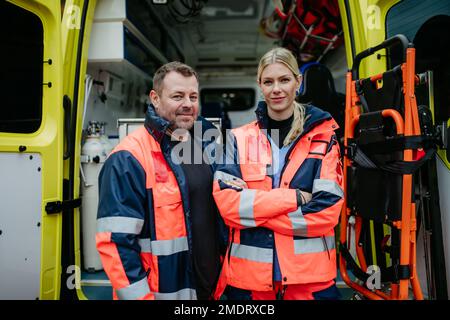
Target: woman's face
<point x="278" y="85"/>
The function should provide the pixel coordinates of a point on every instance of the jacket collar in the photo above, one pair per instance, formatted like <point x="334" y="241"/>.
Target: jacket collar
<point x="314" y="117"/>
<point x="157" y="126"/>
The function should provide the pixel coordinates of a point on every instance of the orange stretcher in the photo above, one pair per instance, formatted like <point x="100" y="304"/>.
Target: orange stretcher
<point x="384" y="148"/>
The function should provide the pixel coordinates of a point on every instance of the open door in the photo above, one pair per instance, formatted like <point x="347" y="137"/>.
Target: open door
<point x="38" y="121"/>
<point x="31" y="149"/>
<point x="77" y="18"/>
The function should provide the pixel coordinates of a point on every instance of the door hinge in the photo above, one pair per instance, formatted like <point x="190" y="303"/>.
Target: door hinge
<point x="58" y="206"/>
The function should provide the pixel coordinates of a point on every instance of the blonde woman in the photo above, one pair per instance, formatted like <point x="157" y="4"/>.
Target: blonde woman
<point x="280" y="192"/>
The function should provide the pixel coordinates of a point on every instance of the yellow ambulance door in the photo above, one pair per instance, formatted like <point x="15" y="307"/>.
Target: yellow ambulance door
<point x="76" y="25"/>
<point x="31" y="149"/>
<point x="42" y="82"/>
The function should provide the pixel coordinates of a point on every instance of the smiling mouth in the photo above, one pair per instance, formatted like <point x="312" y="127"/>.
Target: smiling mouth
<point x="185" y="117"/>
<point x="278" y="99"/>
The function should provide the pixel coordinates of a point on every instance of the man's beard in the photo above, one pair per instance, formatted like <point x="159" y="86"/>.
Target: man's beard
<point x="187" y="125"/>
<point x="180" y="129"/>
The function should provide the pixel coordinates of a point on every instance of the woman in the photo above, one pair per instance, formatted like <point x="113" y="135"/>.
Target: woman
<point x="280" y="192"/>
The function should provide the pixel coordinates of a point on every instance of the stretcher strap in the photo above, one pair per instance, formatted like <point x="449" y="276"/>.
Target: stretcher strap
<point x="397" y="167"/>
<point x="395" y="273"/>
<point x="356" y="270"/>
<point x="399" y="143"/>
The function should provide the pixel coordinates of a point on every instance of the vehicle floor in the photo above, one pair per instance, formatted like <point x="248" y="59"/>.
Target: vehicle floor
<point x="96" y="286"/>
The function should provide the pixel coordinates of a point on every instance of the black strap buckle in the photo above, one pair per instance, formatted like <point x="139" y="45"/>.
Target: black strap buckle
<point x="350" y="150"/>
<point x="58" y="206"/>
<point x="404" y="272"/>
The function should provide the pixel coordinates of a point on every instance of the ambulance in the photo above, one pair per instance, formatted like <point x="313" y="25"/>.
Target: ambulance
<point x="76" y="78"/>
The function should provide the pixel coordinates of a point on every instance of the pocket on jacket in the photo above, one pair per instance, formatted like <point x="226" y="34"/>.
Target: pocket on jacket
<point x="253" y="172"/>
<point x="167" y="199"/>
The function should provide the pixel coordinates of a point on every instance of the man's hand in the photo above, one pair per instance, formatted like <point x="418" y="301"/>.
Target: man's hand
<point x="303" y="197"/>
<point x="236" y="183"/>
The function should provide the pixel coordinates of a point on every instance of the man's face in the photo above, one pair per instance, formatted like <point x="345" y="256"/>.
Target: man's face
<point x="178" y="101"/>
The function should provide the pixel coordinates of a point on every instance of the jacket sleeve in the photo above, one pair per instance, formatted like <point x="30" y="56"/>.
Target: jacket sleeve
<point x="241" y="207"/>
<point x="120" y="219"/>
<point x="320" y="215"/>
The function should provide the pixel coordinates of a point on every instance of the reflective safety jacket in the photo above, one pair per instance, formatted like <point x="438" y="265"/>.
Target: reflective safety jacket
<point x="262" y="218"/>
<point x="143" y="223"/>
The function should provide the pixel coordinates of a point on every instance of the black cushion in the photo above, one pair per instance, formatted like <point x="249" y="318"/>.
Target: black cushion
<point x="318" y="89"/>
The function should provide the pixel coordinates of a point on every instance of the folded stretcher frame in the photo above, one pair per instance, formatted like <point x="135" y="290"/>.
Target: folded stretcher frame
<point x="384" y="148"/>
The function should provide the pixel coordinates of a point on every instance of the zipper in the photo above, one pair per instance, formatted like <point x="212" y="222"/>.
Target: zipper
<point x="326" y="246"/>
<point x="286" y="159"/>
<point x="231" y="243"/>
<point x="281" y="292"/>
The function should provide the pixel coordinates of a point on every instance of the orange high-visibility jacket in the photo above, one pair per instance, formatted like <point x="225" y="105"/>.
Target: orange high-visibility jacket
<point x="261" y="217"/>
<point x="143" y="224"/>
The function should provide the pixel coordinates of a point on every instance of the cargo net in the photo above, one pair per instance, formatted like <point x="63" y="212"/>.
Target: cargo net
<point x="309" y="28"/>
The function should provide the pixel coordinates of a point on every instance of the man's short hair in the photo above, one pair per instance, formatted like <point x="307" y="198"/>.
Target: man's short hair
<point x="176" y="66"/>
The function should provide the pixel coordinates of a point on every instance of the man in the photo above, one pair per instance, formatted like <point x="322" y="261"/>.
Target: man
<point x="158" y="226"/>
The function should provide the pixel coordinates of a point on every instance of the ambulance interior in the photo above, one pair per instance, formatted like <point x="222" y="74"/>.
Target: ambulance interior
<point x="223" y="40"/>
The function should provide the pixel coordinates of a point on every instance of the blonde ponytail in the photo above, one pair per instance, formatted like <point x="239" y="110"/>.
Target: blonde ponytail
<point x="297" y="124"/>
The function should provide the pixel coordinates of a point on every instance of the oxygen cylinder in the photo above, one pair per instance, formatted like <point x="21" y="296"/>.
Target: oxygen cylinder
<point x="107" y="145"/>
<point x="93" y="155"/>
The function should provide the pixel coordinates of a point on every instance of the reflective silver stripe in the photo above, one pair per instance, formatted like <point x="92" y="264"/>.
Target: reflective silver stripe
<point x="120" y="225"/>
<point x="252" y="253"/>
<point x="134" y="291"/>
<point x="328" y="186"/>
<point x="163" y="247"/>
<point x="246" y="208"/>
<point x="299" y="225"/>
<point x="145" y="245"/>
<point x="184" y="294"/>
<point x="313" y="245"/>
<point x="220" y="175"/>
<point x="168" y="247"/>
